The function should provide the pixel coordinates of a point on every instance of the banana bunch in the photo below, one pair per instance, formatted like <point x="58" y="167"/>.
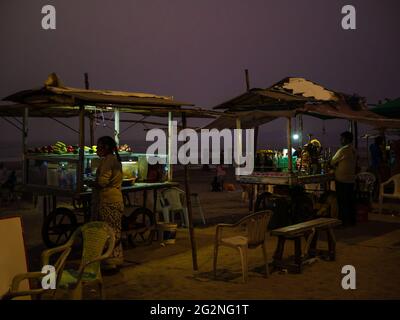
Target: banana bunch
<point x="91" y="150"/>
<point x="59" y="147"/>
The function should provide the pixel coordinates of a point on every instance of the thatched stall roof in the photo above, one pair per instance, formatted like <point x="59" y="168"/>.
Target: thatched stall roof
<point x="56" y="100"/>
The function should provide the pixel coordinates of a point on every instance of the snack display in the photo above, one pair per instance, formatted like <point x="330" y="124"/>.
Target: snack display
<point x="62" y="148"/>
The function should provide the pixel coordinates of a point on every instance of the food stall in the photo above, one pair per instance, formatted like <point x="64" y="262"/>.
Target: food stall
<point x="290" y="98"/>
<point x="60" y="171"/>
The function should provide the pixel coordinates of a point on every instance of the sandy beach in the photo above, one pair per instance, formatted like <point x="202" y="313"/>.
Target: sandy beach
<point x="159" y="271"/>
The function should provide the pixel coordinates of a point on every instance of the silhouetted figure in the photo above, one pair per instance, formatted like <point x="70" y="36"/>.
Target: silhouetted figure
<point x="344" y="162"/>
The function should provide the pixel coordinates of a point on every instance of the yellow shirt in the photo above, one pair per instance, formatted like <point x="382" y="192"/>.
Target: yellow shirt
<point x="345" y="161"/>
<point x="109" y="179"/>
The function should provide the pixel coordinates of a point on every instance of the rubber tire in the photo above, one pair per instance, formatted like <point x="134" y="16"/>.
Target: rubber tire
<point x="129" y="221"/>
<point x="72" y="225"/>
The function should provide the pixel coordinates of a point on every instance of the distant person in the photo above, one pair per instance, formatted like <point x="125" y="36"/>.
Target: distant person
<point x="344" y="162"/>
<point x="376" y="152"/>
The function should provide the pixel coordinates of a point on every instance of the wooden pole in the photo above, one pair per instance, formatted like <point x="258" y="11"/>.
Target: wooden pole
<point x="116" y="126"/>
<point x="255" y="142"/>
<point x="289" y="142"/>
<point x="239" y="136"/>
<point x="24" y="144"/>
<point x="86" y="80"/>
<point x="81" y="163"/>
<point x="246" y="72"/>
<point x="355" y="133"/>
<point x="189" y="207"/>
<point x="301" y="130"/>
<point x="91" y="118"/>
<point x="170" y="119"/>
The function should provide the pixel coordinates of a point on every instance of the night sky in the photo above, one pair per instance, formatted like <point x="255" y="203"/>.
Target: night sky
<point x="196" y="51"/>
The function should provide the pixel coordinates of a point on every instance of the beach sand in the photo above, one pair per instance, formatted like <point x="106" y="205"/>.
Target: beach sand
<point x="165" y="272"/>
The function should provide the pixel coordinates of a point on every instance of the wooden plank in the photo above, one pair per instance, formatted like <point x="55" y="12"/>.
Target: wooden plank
<point x="13" y="253"/>
<point x="304" y="226"/>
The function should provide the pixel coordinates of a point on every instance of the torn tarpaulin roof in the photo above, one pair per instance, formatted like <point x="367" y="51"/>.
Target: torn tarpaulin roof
<point x="293" y="96"/>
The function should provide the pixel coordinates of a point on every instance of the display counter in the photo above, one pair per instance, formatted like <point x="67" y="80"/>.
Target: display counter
<point x="58" y="173"/>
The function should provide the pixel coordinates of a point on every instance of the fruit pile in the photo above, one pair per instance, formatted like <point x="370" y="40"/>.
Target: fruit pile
<point x="61" y="148"/>
<point x="124" y="148"/>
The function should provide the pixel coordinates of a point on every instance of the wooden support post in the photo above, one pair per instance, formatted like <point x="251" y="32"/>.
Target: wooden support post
<point x="239" y="136"/>
<point x="289" y="143"/>
<point x="170" y="119"/>
<point x="189" y="207"/>
<point x="91" y="118"/>
<point x="301" y="125"/>
<point x="246" y="72"/>
<point x="24" y="145"/>
<point x="81" y="163"/>
<point x="116" y="126"/>
<point x="91" y="123"/>
<point x="355" y="134"/>
<point x="255" y="142"/>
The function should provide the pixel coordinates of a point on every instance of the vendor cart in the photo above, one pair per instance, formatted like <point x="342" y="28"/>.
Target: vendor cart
<point x="58" y="180"/>
<point x="52" y="180"/>
<point x="289" y="98"/>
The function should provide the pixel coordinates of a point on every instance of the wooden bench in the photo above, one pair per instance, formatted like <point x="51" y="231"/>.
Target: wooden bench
<point x="310" y="230"/>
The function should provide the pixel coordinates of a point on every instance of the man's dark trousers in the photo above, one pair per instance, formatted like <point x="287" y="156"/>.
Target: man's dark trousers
<point x="346" y="205"/>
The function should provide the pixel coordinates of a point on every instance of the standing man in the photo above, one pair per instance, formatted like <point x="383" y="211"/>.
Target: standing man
<point x="344" y="162"/>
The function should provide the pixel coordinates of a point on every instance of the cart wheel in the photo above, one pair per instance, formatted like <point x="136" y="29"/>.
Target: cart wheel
<point x="58" y="227"/>
<point x="142" y="223"/>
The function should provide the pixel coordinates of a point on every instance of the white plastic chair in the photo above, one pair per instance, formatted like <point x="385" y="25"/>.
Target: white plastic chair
<point x="256" y="227"/>
<point x="396" y="193"/>
<point x="173" y="200"/>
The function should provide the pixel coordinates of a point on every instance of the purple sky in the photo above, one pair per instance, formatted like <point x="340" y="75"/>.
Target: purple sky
<point x="197" y="50"/>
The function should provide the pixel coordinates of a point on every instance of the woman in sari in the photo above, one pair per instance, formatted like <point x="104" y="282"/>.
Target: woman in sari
<point x="108" y="203"/>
